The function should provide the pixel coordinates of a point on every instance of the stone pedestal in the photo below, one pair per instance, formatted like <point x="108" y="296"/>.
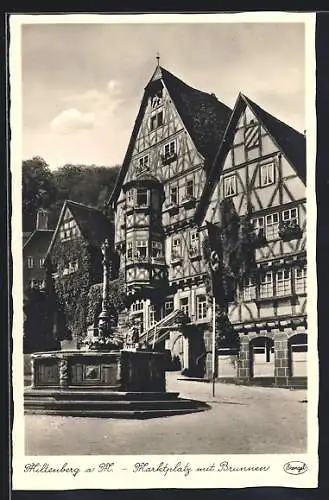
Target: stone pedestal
<point x="244" y="374"/>
<point x="281" y="359"/>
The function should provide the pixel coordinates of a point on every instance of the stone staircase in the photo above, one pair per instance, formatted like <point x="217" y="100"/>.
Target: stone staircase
<point x="160" y="331"/>
<point x="110" y="404"/>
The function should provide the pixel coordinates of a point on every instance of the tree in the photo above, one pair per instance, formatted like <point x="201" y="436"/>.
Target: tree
<point x="39" y="189"/>
<point x="233" y="243"/>
<point x="87" y="184"/>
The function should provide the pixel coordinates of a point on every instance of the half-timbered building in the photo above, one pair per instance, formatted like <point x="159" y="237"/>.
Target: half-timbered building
<point x="261" y="167"/>
<point x="187" y="152"/>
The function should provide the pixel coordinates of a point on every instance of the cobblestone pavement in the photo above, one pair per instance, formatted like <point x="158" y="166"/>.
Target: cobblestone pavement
<point x="241" y="420"/>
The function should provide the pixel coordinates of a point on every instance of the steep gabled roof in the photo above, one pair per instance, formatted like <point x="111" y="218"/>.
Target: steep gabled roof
<point x="291" y="143"/>
<point x="204" y="117"/>
<point x="26" y="236"/>
<point x="40" y="238"/>
<point x="93" y="224"/>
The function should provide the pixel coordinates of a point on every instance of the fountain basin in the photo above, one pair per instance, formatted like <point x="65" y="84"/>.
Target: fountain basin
<point x="117" y="384"/>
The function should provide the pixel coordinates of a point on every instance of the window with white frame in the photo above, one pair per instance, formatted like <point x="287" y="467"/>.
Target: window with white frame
<point x="272" y="226"/>
<point x="36" y="284"/>
<point x="143" y="163"/>
<point x="129" y="250"/>
<point x="152" y="315"/>
<point x="267" y="174"/>
<point x="130" y="197"/>
<point x="230" y="186"/>
<point x="169" y="149"/>
<point x="137" y="306"/>
<point x="156" y="120"/>
<point x="189" y="188"/>
<point x="157" y="249"/>
<point x="141" y="249"/>
<point x="194" y="242"/>
<point x="300" y="280"/>
<point x="156" y="99"/>
<point x="71" y="267"/>
<point x="184" y="305"/>
<point x="176" y="243"/>
<point x="290" y="215"/>
<point x="258" y="224"/>
<point x="283" y="282"/>
<point x="30" y="262"/>
<point x="266" y="285"/>
<point x="174" y="195"/>
<point x="142" y="197"/>
<point x="41" y="262"/>
<point x="68" y="230"/>
<point x="249" y="289"/>
<point x="169" y="306"/>
<point x="201" y="307"/>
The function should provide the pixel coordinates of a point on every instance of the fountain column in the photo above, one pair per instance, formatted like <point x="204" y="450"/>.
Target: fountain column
<point x="104" y="319"/>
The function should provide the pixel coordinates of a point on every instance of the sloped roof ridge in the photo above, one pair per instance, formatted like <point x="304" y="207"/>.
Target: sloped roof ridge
<point x="253" y="104"/>
<point x="204" y="117"/>
<point x="82" y="205"/>
<point x="290" y="141"/>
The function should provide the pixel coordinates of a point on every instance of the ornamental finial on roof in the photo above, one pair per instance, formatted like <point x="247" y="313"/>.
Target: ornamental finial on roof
<point x="158" y="59"/>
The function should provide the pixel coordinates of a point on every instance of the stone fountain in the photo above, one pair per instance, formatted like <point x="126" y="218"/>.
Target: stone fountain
<point x="126" y="382"/>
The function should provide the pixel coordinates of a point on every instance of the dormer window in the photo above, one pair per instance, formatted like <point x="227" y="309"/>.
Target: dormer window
<point x="142" y="197"/>
<point x="156" y="120"/>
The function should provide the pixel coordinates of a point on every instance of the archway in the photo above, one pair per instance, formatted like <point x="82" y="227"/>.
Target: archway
<point x="297" y="345"/>
<point x="261" y="357"/>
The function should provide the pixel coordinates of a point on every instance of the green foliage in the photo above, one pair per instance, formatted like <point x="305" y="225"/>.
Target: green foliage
<point x="38" y="329"/>
<point x="116" y="300"/>
<point x="226" y="335"/>
<point x="38" y="189"/>
<point x="87" y="184"/>
<point x="72" y="289"/>
<point x="236" y="251"/>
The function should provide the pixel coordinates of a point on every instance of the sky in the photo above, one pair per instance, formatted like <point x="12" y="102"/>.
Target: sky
<point x="82" y="84"/>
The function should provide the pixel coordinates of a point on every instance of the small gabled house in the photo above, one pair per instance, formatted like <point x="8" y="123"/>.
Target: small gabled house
<point x="74" y="260"/>
<point x="35" y="247"/>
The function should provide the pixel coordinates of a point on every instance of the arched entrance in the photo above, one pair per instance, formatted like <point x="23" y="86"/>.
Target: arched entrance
<point x="297" y="345"/>
<point x="261" y="357"/>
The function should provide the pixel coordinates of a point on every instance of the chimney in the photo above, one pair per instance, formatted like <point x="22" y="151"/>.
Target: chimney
<point x="42" y="219"/>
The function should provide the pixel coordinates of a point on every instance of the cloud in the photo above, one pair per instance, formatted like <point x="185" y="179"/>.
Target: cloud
<point x="71" y="120"/>
<point x="101" y="104"/>
<point x="114" y="88"/>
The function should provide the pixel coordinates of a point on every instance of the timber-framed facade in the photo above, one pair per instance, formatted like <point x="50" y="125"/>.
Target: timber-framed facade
<point x="187" y="153"/>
